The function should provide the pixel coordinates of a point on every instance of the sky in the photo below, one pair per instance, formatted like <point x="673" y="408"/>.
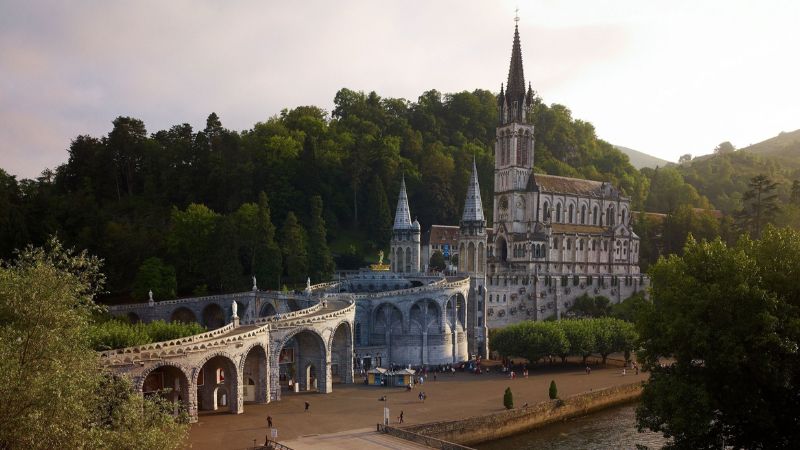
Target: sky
<point x="663" y="77"/>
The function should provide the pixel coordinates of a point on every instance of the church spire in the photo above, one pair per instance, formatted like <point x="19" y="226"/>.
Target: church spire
<point x="402" y="217"/>
<point x="515" y="88"/>
<point x="473" y="207"/>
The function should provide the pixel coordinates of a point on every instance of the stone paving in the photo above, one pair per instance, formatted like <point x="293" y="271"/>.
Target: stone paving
<point x="356" y="407"/>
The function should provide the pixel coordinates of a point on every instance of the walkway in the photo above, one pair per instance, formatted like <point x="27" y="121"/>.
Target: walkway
<point x="362" y="439"/>
<point x="356" y="407"/>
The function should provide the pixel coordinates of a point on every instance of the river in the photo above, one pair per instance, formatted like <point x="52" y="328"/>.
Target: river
<point x="613" y="428"/>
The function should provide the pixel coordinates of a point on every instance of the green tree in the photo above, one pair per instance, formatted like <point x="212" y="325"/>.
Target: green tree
<point x="57" y="398"/>
<point x="586" y="306"/>
<point x="580" y="336"/>
<point x="191" y="244"/>
<point x="553" y="391"/>
<point x="724" y="148"/>
<point x="320" y="260"/>
<point x="379" y="217"/>
<point x="726" y="317"/>
<point x="630" y="308"/>
<point x="760" y="205"/>
<point x="267" y="265"/>
<point x="508" y="399"/>
<point x="437" y="261"/>
<point x="154" y="275"/>
<point x="293" y="246"/>
<point x="795" y="193"/>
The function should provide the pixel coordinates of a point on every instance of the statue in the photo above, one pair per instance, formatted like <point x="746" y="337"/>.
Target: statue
<point x="255" y="286"/>
<point x="380" y="257"/>
<point x="308" y="283"/>
<point x="150" y="294"/>
<point x="234" y="307"/>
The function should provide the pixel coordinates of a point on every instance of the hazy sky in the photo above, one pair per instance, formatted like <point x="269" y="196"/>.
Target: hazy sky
<point x="664" y="77"/>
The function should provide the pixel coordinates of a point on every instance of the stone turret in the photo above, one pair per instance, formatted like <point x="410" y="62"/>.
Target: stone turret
<point x="406" y="236"/>
<point x="472" y="260"/>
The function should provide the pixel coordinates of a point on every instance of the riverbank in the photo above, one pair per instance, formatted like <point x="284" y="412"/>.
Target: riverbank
<point x="351" y="407"/>
<point x="491" y="427"/>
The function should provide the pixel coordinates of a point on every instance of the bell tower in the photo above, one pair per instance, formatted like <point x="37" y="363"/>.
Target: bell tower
<point x="513" y="148"/>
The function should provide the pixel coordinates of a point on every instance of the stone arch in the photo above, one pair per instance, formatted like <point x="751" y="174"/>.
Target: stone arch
<point x="213" y="316"/>
<point x="254" y="366"/>
<point x="220" y="387"/>
<point x="340" y="349"/>
<point x="183" y="314"/>
<point x="267" y="310"/>
<point x="501" y="249"/>
<point x="308" y="348"/>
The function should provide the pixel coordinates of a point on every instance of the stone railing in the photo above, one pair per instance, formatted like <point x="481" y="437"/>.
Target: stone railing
<point x="427" y="441"/>
<point x="167" y="344"/>
<point x="177" y="301"/>
<point x="279" y="317"/>
<point x="324" y="286"/>
<point x="284" y="323"/>
<point x="435" y="286"/>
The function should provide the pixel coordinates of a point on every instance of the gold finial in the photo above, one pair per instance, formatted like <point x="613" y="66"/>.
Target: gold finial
<point x="516" y="15"/>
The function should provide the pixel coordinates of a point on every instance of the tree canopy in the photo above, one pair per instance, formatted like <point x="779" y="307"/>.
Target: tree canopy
<point x="721" y="343"/>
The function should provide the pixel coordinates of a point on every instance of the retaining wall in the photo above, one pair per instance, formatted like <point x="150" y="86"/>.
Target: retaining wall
<point x="475" y="430"/>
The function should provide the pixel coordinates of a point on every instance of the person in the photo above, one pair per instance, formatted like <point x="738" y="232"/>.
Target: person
<point x="434" y="376"/>
<point x="307" y="405"/>
<point x="588" y="370"/>
<point x="401" y="416"/>
<point x="269" y="421"/>
<point x="636" y="367"/>
<point x="623" y="371"/>
<point x="420" y="396"/>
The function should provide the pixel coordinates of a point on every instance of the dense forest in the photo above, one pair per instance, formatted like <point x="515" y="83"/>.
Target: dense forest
<point x="184" y="211"/>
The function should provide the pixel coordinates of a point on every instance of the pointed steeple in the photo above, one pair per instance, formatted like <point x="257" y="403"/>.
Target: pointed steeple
<point x="515" y="88"/>
<point x="402" y="217"/>
<point x="473" y="207"/>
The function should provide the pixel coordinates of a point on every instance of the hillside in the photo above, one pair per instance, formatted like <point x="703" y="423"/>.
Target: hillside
<point x="723" y="178"/>
<point x="785" y="144"/>
<point x="639" y="159"/>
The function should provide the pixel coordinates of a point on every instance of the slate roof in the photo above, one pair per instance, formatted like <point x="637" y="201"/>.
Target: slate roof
<point x="566" y="185"/>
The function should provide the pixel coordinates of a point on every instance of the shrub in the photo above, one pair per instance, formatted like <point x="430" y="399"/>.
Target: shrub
<point x="553" y="390"/>
<point x="508" y="399"/>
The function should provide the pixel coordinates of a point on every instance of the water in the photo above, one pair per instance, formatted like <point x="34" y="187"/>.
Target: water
<point x="613" y="428"/>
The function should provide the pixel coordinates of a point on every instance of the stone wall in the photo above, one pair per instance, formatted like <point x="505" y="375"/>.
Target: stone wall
<point x="498" y="425"/>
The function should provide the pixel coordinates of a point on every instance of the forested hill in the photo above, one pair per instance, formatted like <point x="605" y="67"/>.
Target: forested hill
<point x="723" y="176"/>
<point x="640" y="159"/>
<point x="190" y="198"/>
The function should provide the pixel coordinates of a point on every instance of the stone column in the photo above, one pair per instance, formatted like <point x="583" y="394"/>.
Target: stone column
<point x="236" y="394"/>
<point x="274" y="374"/>
<point x="191" y="401"/>
<point x="325" y="379"/>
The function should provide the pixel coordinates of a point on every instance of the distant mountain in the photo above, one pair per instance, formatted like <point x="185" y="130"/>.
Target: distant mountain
<point x="786" y="144"/>
<point x="639" y="159"/>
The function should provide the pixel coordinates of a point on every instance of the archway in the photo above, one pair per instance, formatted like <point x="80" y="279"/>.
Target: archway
<point x="183" y="314"/>
<point x="342" y="354"/>
<point x="213" y="316"/>
<point x="425" y="320"/>
<point x="300" y="351"/>
<point x="267" y="310"/>
<point x="501" y="249"/>
<point x="254" y="375"/>
<point x="170" y="383"/>
<point x="218" y="385"/>
<point x="386" y="330"/>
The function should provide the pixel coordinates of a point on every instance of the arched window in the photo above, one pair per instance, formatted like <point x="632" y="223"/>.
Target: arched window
<point x="546" y="211"/>
<point x="569" y="218"/>
<point x="583" y="215"/>
<point x="624" y="216"/>
<point x="580" y="242"/>
<point x="594" y="216"/>
<point x="558" y="212"/>
<point x="569" y="244"/>
<point x="610" y="216"/>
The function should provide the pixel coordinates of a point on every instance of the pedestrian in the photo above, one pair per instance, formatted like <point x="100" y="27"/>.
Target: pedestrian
<point x="307" y="405"/>
<point x="623" y="371"/>
<point x="269" y="421"/>
<point x="420" y="396"/>
<point x="636" y="367"/>
<point x="401" y="416"/>
<point x="434" y="376"/>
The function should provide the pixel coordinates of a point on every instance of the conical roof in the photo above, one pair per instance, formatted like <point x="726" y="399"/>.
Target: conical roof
<point x="515" y="88"/>
<point x="402" y="217"/>
<point x="473" y="207"/>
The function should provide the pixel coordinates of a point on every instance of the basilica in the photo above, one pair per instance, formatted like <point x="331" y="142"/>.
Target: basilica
<point x="553" y="238"/>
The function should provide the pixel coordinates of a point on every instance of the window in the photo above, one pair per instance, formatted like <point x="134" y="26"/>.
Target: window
<point x="569" y="244"/>
<point x="546" y="211"/>
<point x="583" y="215"/>
<point x="558" y="212"/>
<point x="581" y="244"/>
<point x="569" y="219"/>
